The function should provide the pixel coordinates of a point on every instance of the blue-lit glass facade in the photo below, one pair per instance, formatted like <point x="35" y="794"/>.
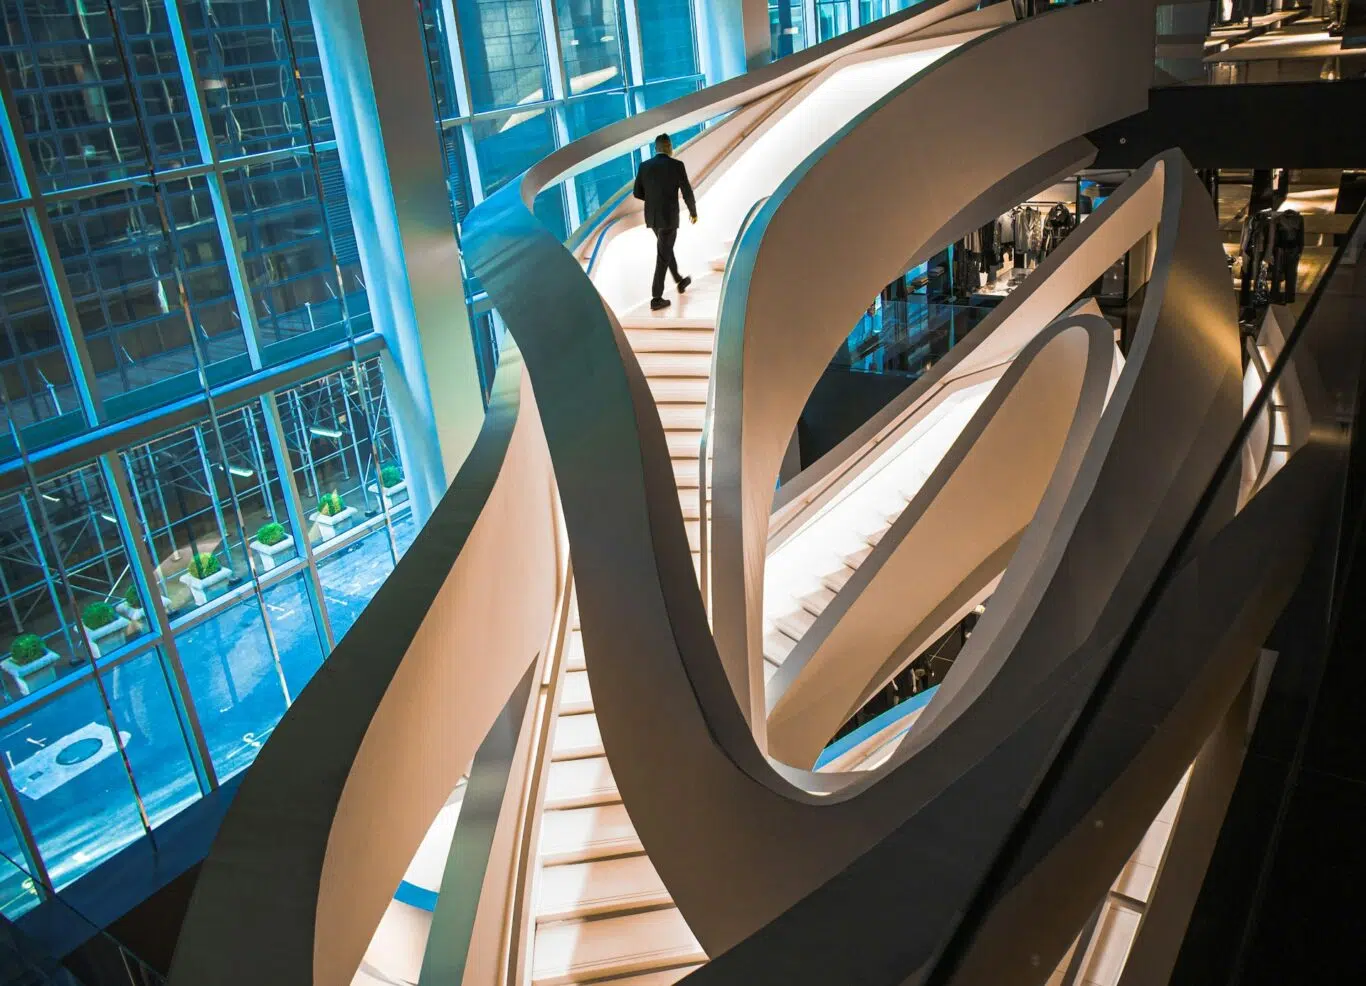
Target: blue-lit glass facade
<point x="194" y="432"/>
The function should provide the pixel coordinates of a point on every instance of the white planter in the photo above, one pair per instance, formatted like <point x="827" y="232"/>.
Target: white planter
<point x="107" y="637"/>
<point x="272" y="555"/>
<point x="204" y="590"/>
<point x="330" y="527"/>
<point x="394" y="496"/>
<point x="136" y="614"/>
<point x="28" y="678"/>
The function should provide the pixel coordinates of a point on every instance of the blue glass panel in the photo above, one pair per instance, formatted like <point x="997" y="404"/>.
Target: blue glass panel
<point x="241" y="55"/>
<point x="667" y="39"/>
<point x="786" y="30"/>
<point x="593" y="45"/>
<point x="508" y="145"/>
<point x="18" y="889"/>
<point x="595" y="187"/>
<point x="503" y="52"/>
<point x="74" y="104"/>
<point x="282" y="232"/>
<point x="296" y="632"/>
<point x="37" y="374"/>
<point x="235" y="683"/>
<point x="351" y="576"/>
<point x="832" y="17"/>
<point x="140" y="696"/>
<point x="71" y="782"/>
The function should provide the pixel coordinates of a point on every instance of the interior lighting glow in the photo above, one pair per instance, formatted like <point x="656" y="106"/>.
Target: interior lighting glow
<point x="242" y="472"/>
<point x="331" y="433"/>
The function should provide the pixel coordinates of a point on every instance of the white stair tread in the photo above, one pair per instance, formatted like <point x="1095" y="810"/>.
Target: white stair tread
<point x="598" y="886"/>
<point x="576" y="736"/>
<point x="694" y="528"/>
<point x="815" y="602"/>
<point x="770" y="669"/>
<point x="675" y="364"/>
<point x="858" y="557"/>
<point x="686" y="472"/>
<point x="777" y="645"/>
<point x="575" y="951"/>
<point x="684" y="443"/>
<point x="687" y="499"/>
<point x="665" y="977"/>
<point x="575" y="695"/>
<point x="838" y="579"/>
<point x="795" y="623"/>
<point x="680" y="415"/>
<point x="572" y="835"/>
<point x="674" y="390"/>
<point x="573" y="658"/>
<point x="718" y="263"/>
<point x="580" y="783"/>
<point x="875" y="536"/>
<point x="671" y="340"/>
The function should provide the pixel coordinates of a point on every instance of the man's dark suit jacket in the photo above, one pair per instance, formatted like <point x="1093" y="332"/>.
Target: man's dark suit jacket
<point x="658" y="182"/>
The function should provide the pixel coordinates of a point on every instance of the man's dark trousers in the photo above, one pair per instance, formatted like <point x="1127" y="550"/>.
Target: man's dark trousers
<point x="664" y="260"/>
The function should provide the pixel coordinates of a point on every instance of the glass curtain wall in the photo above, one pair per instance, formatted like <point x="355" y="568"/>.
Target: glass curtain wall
<point x="191" y="515"/>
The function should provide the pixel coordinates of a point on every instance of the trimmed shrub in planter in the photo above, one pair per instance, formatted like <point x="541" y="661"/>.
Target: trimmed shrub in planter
<point x="104" y="628"/>
<point x="273" y="545"/>
<point x="206" y="578"/>
<point x="131" y="608"/>
<point x="333" y="515"/>
<point x="391" y="487"/>
<point x="30" y="665"/>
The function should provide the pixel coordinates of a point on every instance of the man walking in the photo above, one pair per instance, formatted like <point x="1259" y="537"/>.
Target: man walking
<point x="658" y="183"/>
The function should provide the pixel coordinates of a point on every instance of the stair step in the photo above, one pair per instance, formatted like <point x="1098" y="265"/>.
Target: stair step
<point x="579" y="951"/>
<point x="670" y="340"/>
<point x="575" y="696"/>
<point x="580" y="783"/>
<point x="576" y="736"/>
<point x="676" y="390"/>
<point x="875" y="535"/>
<point x="599" y="886"/>
<point x="664" y="977"/>
<point x="675" y="364"/>
<point x="687" y="500"/>
<point x="770" y="669"/>
<point x="858" y="557"/>
<point x="573" y="658"/>
<point x="572" y="835"/>
<point x="686" y="472"/>
<point x="694" y="528"/>
<point x="680" y="415"/>
<point x="777" y="645"/>
<point x="684" y="443"/>
<point x="795" y="623"/>
<point x="718" y="263"/>
<point x="838" y="579"/>
<point x="815" y="602"/>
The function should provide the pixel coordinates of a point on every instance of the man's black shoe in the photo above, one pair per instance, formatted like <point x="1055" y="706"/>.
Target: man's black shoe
<point x="683" y="284"/>
<point x="657" y="303"/>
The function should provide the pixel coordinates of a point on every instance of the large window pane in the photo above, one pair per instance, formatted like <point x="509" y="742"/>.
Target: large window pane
<point x="351" y="576"/>
<point x="83" y="523"/>
<point x="290" y="612"/>
<point x="329" y="440"/>
<point x="65" y="765"/>
<point x="504" y="55"/>
<point x="161" y="96"/>
<point x="35" y="621"/>
<point x="595" y="187"/>
<point x="786" y="30"/>
<point x="508" y="145"/>
<point x="122" y="276"/>
<point x="832" y="17"/>
<point x="75" y="107"/>
<point x="242" y="57"/>
<point x="250" y="468"/>
<point x="140" y="695"/>
<point x="283" y="237"/>
<point x="185" y="508"/>
<point x="593" y="44"/>
<point x="36" y="372"/>
<point x="235" y="682"/>
<point x="18" y="889"/>
<point x="667" y="40"/>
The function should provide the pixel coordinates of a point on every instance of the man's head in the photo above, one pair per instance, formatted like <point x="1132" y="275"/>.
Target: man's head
<point x="663" y="145"/>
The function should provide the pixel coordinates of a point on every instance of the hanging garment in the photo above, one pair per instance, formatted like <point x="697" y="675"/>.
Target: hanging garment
<point x="1056" y="227"/>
